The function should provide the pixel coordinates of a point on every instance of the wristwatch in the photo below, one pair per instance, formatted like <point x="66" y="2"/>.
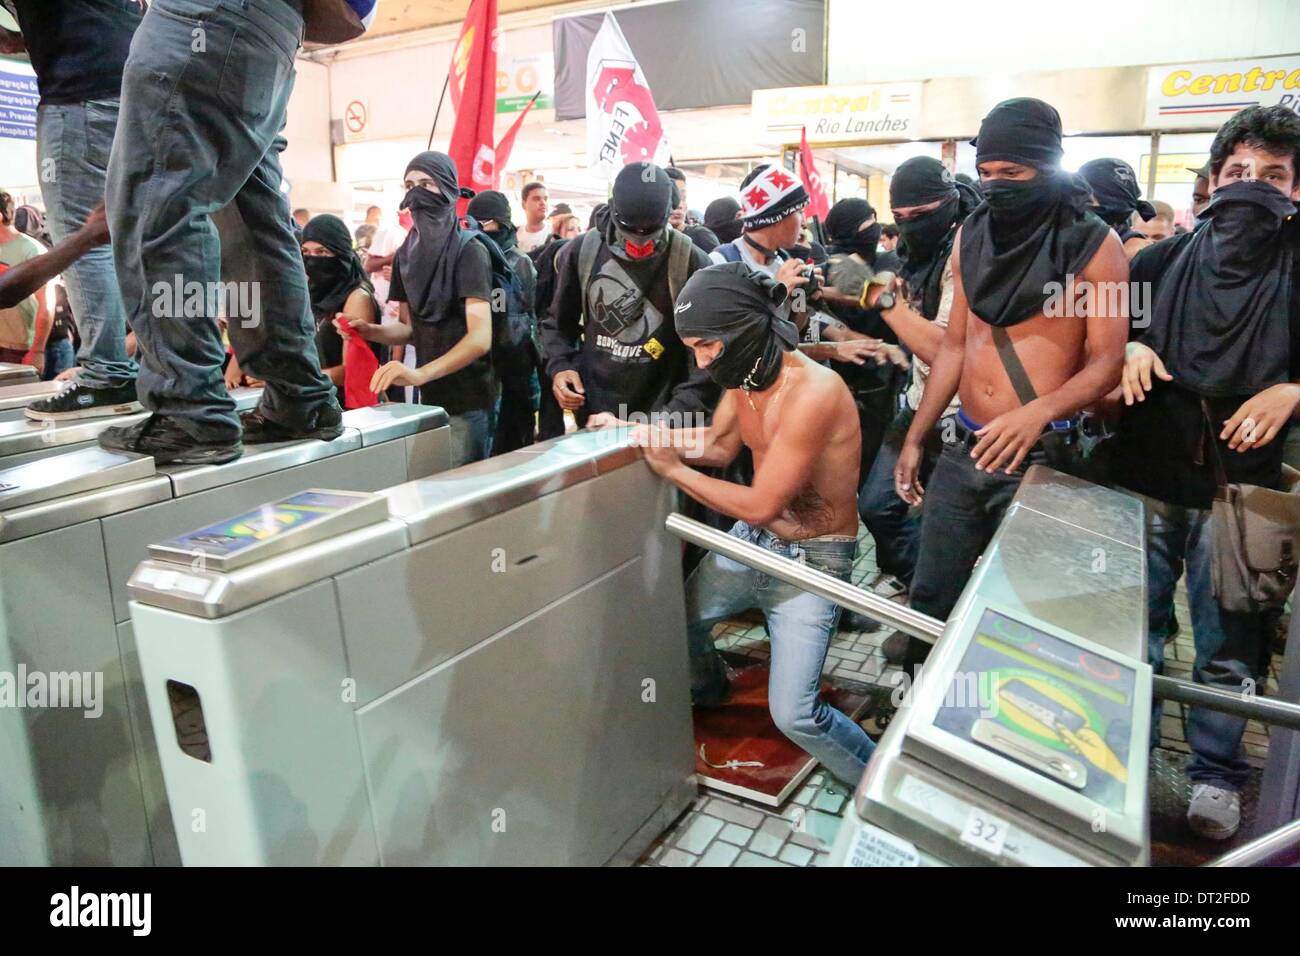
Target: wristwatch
<point x="885" y="301"/>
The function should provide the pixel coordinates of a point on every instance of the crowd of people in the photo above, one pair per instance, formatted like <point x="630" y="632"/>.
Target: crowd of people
<point x="798" y="380"/>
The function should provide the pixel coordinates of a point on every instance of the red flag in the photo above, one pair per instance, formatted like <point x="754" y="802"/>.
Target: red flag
<point x="473" y="83"/>
<point x="812" y="182"/>
<point x="508" y="141"/>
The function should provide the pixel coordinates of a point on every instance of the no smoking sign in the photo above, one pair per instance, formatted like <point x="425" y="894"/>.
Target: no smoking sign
<point x="355" y="116"/>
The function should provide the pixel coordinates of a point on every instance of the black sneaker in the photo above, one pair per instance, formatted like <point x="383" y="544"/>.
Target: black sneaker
<point x="258" y="429"/>
<point x="82" y="401"/>
<point x="171" y="442"/>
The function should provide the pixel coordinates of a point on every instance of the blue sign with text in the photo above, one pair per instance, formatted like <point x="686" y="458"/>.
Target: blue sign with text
<point x="18" y="99"/>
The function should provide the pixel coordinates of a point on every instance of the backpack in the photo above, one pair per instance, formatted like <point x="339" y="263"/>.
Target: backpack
<point x="679" y="261"/>
<point x="514" y="284"/>
<point x="728" y="251"/>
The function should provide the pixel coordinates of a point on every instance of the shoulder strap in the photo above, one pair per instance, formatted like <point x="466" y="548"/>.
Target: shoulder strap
<point x="1014" y="369"/>
<point x="729" y="252"/>
<point x="586" y="260"/>
<point x="679" y="261"/>
<point x="1212" y="439"/>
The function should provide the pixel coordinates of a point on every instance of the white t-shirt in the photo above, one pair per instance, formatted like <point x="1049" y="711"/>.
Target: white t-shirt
<point x="528" y="241"/>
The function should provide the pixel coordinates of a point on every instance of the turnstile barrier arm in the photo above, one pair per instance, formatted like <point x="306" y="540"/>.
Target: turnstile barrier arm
<point x="1280" y="847"/>
<point x="1266" y="710"/>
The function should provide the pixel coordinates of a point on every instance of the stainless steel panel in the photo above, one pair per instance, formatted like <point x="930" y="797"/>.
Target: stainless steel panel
<point x="73" y="473"/>
<point x="257" y="460"/>
<point x="11" y="373"/>
<point x="379" y="423"/>
<point x="64" y="512"/>
<point x="24" y="435"/>
<point x="362" y="509"/>
<point x="15" y="398"/>
<point x="1099" y="510"/>
<point x="211" y="594"/>
<point x="609" y="447"/>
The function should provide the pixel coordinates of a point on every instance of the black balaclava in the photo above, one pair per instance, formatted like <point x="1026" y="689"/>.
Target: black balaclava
<point x="1220" y="319"/>
<point x="637" y="228"/>
<point x="427" y="259"/>
<point x="926" y="240"/>
<point x="721" y="219"/>
<point x="491" y="204"/>
<point x="1115" y="191"/>
<point x="842" y="229"/>
<point x="1028" y="235"/>
<point x="331" y="279"/>
<point x="745" y="311"/>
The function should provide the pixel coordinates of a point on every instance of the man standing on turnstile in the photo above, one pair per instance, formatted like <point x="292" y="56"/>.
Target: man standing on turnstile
<point x="204" y="95"/>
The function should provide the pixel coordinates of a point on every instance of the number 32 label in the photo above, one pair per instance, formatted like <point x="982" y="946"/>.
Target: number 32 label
<point x="985" y="832"/>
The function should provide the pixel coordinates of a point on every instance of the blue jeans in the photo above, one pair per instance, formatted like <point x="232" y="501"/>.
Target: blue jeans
<point x="1229" y="646"/>
<point x="73" y="143"/>
<point x="200" y="131"/>
<point x="471" y="436"/>
<point x="800" y="625"/>
<point x="59" y="357"/>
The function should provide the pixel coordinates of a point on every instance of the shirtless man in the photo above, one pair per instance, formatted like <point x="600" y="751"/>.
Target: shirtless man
<point x="1032" y="231"/>
<point x="799" y="420"/>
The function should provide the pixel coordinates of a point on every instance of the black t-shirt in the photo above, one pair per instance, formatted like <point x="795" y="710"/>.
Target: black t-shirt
<point x="78" y="47"/>
<point x="329" y="344"/>
<point x="1162" y="448"/>
<point x="470" y="389"/>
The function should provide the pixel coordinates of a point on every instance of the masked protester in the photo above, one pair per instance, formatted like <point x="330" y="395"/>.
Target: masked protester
<point x="611" y="343"/>
<point x="799" y="421"/>
<point x="337" y="286"/>
<point x="722" y="217"/>
<point x="1209" y="399"/>
<point x="928" y="205"/>
<point x="442" y="278"/>
<point x="1116" y="198"/>
<point x="1022" y="363"/>
<point x="516" y="349"/>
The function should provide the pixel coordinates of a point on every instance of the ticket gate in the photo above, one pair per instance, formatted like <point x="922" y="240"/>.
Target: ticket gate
<point x="484" y="667"/>
<point x="15" y="398"/>
<point x="1024" y="738"/>
<point x="12" y="373"/>
<point x="87" y="789"/>
<point x="23" y="440"/>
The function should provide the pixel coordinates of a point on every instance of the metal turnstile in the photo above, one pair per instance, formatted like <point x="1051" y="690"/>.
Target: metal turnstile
<point x="23" y="439"/>
<point x="15" y="398"/>
<point x="79" y="789"/>
<point x="12" y="373"/>
<point x="484" y="667"/>
<point x="1279" y="792"/>
<point x="1024" y="739"/>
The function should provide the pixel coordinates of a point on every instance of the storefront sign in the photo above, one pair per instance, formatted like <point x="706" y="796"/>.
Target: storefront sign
<point x="832" y="114"/>
<point x="1203" y="95"/>
<point x="1172" y="167"/>
<point x="519" y="77"/>
<point x="18" y="99"/>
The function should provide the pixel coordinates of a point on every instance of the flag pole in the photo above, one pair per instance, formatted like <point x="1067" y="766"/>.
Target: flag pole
<point x="438" y="111"/>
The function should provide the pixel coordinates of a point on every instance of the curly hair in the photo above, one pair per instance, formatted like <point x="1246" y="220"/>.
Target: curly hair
<point x="1273" y="129"/>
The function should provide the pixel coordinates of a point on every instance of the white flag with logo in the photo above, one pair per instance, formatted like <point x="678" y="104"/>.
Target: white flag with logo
<point x="622" y="123"/>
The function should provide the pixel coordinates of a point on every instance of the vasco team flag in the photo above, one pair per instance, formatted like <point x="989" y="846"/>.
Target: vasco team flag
<point x="622" y="123"/>
<point x="473" y="85"/>
<point x="812" y="181"/>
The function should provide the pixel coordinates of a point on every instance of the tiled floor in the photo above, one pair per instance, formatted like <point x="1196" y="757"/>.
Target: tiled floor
<point x="726" y="831"/>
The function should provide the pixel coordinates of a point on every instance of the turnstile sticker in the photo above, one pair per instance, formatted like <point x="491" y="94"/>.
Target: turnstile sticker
<point x="873" y="846"/>
<point x="1050" y="702"/>
<point x="985" y="832"/>
<point x="235" y="534"/>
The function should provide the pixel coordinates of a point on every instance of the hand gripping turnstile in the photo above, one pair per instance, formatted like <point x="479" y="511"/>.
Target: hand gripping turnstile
<point x="88" y="790"/>
<point x="12" y="373"/>
<point x="484" y="667"/>
<point x="1024" y="738"/>
<point x="23" y="440"/>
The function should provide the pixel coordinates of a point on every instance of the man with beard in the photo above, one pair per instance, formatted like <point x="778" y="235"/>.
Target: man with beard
<point x="516" y="349"/>
<point x="1115" y="198"/>
<point x="1022" y="376"/>
<point x="928" y="205"/>
<point x="442" y="278"/>
<point x="611" y="344"/>
<point x="1210" y="394"/>
<point x="799" y="421"/>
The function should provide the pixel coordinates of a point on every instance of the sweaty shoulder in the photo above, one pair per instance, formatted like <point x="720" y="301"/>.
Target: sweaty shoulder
<point x="1109" y="261"/>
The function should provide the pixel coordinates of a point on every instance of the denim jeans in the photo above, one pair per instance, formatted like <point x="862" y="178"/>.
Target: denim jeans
<point x="963" y="508"/>
<point x="204" y="96"/>
<point x="59" y="357"/>
<point x="471" y="436"/>
<point x="1229" y="645"/>
<point x="895" y="525"/>
<point x="800" y="625"/>
<point x="73" y="143"/>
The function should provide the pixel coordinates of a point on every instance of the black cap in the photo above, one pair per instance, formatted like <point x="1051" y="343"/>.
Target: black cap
<point x="641" y="197"/>
<point x="490" y="204"/>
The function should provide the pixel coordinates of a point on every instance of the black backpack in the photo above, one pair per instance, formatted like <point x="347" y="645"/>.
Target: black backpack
<point x="514" y="287"/>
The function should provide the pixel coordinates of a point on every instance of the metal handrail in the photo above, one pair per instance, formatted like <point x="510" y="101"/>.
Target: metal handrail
<point x="1266" y="710"/>
<point x="1280" y="846"/>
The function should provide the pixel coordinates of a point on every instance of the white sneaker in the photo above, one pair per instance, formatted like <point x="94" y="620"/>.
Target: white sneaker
<point x="1214" y="813"/>
<point x="888" y="586"/>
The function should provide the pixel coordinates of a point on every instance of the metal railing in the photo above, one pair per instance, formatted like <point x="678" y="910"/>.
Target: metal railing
<point x="1281" y="847"/>
<point x="1266" y="710"/>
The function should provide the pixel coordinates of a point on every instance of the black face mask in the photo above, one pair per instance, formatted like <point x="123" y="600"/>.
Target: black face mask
<point x="1015" y="204"/>
<point x="418" y="198"/>
<point x="751" y="362"/>
<point x="921" y="235"/>
<point x="326" y="275"/>
<point x="865" y="242"/>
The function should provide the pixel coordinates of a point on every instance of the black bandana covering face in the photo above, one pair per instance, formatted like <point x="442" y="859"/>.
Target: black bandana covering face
<point x="745" y="311"/>
<point x="331" y="279"/>
<point x="428" y="257"/>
